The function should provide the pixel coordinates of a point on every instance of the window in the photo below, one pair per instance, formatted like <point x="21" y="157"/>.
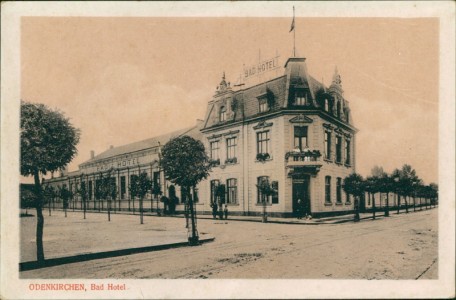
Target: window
<point x="195" y="195"/>
<point x="263" y="142"/>
<point x="347" y="152"/>
<point x="231" y="148"/>
<point x="339" y="190"/>
<point x="338" y="149"/>
<point x="264" y="107"/>
<point x="183" y="195"/>
<point x="275" y="195"/>
<point x="215" y="150"/>
<point x="326" y="105"/>
<point x="328" y="189"/>
<point x="327" y="144"/>
<point x="90" y="190"/>
<point x="260" y="181"/>
<point x="300" y="137"/>
<point x="223" y="114"/>
<point x="347" y="198"/>
<point x="338" y="109"/>
<point x="300" y="98"/>
<point x="231" y="185"/>
<point x="214" y="185"/>
<point x="123" y="187"/>
<point x="156" y="179"/>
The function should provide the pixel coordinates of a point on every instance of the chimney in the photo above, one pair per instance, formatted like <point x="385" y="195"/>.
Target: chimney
<point x="92" y="154"/>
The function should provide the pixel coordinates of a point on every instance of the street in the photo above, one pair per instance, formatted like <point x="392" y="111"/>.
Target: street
<point x="402" y="246"/>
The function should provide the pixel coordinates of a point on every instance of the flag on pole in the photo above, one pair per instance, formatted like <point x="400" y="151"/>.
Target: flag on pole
<point x="293" y="22"/>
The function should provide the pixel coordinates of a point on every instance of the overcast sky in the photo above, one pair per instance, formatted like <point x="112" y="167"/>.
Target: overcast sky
<point x="121" y="80"/>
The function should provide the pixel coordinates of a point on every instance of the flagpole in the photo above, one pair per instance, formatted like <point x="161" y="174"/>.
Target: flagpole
<point x="294" y="34"/>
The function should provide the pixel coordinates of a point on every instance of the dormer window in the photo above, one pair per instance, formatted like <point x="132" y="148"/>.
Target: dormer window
<point x="338" y="109"/>
<point x="301" y="99"/>
<point x="223" y="114"/>
<point x="264" y="107"/>
<point x="326" y="105"/>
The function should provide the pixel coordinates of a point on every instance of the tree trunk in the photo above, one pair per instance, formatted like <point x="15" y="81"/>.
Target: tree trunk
<point x="141" y="217"/>
<point x="373" y="206"/>
<point x="108" y="203"/>
<point x="356" y="209"/>
<point x="39" y="220"/>
<point x="49" y="206"/>
<point x="398" y="203"/>
<point x="387" y="206"/>
<point x="85" y="207"/>
<point x="193" y="240"/>
<point x="414" y="206"/>
<point x="406" y="204"/>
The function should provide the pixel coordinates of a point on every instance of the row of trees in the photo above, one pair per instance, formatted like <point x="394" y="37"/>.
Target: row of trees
<point x="105" y="188"/>
<point x="404" y="182"/>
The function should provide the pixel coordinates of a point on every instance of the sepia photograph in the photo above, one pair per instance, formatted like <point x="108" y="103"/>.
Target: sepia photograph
<point x="233" y="150"/>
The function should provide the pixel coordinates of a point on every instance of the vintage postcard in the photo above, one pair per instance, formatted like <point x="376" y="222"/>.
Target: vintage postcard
<point x="215" y="150"/>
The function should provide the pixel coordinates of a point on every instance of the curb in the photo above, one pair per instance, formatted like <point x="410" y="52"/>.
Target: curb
<point x="33" y="265"/>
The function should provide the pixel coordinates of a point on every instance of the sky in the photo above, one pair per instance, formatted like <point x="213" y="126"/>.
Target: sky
<point x="125" y="79"/>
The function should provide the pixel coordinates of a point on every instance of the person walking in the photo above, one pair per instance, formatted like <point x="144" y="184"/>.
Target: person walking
<point x="299" y="209"/>
<point x="226" y="211"/>
<point x="214" y="210"/>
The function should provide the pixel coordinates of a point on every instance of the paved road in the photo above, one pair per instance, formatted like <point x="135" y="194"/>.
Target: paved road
<point x="399" y="247"/>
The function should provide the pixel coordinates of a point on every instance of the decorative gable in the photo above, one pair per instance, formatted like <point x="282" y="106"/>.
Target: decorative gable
<point x="301" y="119"/>
<point x="262" y="124"/>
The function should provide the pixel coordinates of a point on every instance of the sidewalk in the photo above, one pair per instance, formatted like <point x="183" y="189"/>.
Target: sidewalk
<point x="73" y="239"/>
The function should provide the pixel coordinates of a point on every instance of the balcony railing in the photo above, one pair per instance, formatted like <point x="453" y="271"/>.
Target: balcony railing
<point x="304" y="156"/>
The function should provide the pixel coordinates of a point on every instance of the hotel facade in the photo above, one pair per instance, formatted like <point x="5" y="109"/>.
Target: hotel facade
<point x="291" y="131"/>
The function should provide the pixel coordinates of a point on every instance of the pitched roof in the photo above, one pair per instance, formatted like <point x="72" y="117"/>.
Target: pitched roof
<point x="193" y="132"/>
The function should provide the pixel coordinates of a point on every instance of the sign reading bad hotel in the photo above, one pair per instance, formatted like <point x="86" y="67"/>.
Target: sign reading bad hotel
<point x="262" y="67"/>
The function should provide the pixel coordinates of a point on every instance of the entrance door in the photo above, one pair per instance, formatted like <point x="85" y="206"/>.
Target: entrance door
<point x="301" y="191"/>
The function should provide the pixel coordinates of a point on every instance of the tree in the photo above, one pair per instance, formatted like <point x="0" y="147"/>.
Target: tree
<point x="84" y="193"/>
<point x="372" y="187"/>
<point x="48" y="143"/>
<point x="434" y="193"/>
<point x="354" y="185"/>
<point x="386" y="186"/>
<point x="65" y="195"/>
<point x="28" y="197"/>
<point x="108" y="189"/>
<point x="185" y="163"/>
<point x="139" y="187"/>
<point x="48" y="196"/>
<point x="405" y="181"/>
<point x="156" y="191"/>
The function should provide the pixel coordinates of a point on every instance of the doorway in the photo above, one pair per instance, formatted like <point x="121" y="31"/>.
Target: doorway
<point x="300" y="190"/>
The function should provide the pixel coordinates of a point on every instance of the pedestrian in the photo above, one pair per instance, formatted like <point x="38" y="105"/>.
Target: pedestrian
<point x="221" y="211"/>
<point x="226" y="212"/>
<point x="299" y="209"/>
<point x="214" y="210"/>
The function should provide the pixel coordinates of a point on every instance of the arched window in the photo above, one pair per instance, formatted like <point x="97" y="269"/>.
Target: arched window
<point x="326" y="105"/>
<point x="222" y="114"/>
<point x="338" y="109"/>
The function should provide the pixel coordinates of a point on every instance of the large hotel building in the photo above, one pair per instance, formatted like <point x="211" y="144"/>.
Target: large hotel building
<point x="292" y="131"/>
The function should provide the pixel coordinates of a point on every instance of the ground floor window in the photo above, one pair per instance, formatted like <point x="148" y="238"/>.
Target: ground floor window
<point x="275" y="195"/>
<point x="90" y="190"/>
<point x="123" y="187"/>
<point x="214" y="184"/>
<point x="328" y="189"/>
<point x="231" y="185"/>
<point x="339" y="190"/>
<point x="262" y="182"/>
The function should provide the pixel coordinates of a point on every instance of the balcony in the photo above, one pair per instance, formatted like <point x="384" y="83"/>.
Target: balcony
<point x="305" y="161"/>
